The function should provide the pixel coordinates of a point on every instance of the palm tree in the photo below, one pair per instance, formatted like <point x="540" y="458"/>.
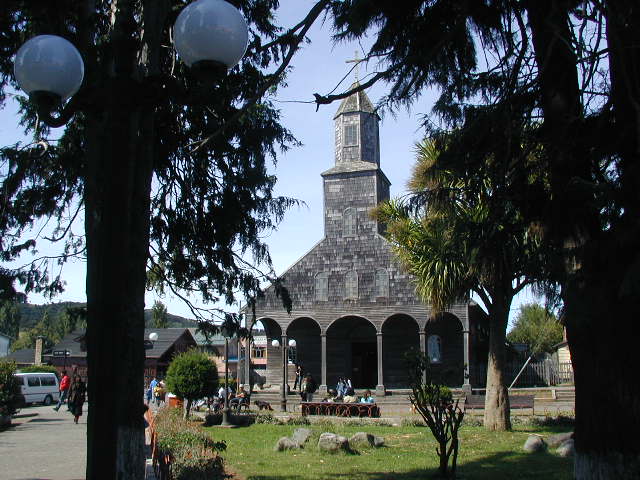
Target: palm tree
<point x="453" y="236"/>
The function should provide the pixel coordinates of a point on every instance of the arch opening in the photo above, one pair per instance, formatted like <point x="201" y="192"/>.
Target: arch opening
<point x="352" y="352"/>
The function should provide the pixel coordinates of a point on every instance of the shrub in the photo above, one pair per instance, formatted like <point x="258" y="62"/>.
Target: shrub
<point x="268" y="418"/>
<point x="10" y="394"/>
<point x="39" y="369"/>
<point x="194" y="454"/>
<point x="558" y="421"/>
<point x="412" y="422"/>
<point x="435" y="404"/>
<point x="191" y="375"/>
<point x="297" y="421"/>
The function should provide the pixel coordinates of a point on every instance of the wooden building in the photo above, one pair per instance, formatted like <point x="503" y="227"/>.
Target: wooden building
<point x="355" y="310"/>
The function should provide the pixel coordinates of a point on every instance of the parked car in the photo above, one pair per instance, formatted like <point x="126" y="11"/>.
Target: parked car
<point x="39" y="387"/>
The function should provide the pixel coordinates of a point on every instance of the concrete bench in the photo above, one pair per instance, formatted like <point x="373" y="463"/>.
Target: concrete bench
<point x="476" y="402"/>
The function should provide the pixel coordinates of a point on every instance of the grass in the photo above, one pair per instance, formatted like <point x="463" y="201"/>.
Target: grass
<point x="409" y="453"/>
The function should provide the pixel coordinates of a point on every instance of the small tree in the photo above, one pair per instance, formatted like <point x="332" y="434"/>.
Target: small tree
<point x="435" y="404"/>
<point x="191" y="375"/>
<point x="537" y="327"/>
<point x="159" y="315"/>
<point x="10" y="395"/>
<point x="9" y="319"/>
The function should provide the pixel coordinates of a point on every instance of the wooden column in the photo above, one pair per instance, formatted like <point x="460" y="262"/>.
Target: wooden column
<point x="423" y="350"/>
<point x="323" y="359"/>
<point x="380" y="385"/>
<point x="466" y="385"/>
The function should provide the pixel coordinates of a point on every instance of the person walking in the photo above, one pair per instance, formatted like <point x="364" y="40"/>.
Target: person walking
<point x="77" y="397"/>
<point x="298" y="381"/>
<point x="64" y="390"/>
<point x="310" y="386"/>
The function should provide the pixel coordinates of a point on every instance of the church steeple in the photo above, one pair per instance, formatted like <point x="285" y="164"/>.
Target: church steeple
<point x="355" y="184"/>
<point x="356" y="132"/>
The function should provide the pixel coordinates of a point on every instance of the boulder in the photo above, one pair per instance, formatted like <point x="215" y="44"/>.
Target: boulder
<point x="285" y="443"/>
<point x="330" y="442"/>
<point x="556" y="440"/>
<point x="566" y="448"/>
<point x="301" y="435"/>
<point x="534" y="444"/>
<point x="361" y="439"/>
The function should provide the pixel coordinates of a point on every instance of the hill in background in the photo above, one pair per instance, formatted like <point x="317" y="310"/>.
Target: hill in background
<point x="32" y="314"/>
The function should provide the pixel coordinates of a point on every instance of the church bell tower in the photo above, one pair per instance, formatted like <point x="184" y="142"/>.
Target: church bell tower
<point x="356" y="184"/>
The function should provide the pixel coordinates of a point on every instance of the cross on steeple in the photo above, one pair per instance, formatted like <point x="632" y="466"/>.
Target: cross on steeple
<point x="357" y="61"/>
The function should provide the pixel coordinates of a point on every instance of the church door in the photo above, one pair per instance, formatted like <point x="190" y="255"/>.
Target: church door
<point x="363" y="364"/>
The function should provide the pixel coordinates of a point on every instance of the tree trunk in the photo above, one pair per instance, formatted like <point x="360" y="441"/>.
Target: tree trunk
<point x="187" y="407"/>
<point x="117" y="192"/>
<point x="496" y="406"/>
<point x="600" y="290"/>
<point x="603" y="342"/>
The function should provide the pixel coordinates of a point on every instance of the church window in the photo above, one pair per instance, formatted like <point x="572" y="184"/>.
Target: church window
<point x="349" y="222"/>
<point x="322" y="287"/>
<point x="382" y="283"/>
<point x="351" y="285"/>
<point x="351" y="134"/>
<point x="434" y="348"/>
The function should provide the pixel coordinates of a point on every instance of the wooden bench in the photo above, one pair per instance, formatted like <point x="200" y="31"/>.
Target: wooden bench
<point x="475" y="402"/>
<point x="340" y="409"/>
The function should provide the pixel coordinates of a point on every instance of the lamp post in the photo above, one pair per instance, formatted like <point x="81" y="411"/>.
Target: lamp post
<point x="285" y="363"/>
<point x="117" y="98"/>
<point x="226" y="333"/>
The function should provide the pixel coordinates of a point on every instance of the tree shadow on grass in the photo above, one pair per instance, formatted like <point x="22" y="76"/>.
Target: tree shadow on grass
<point x="499" y="466"/>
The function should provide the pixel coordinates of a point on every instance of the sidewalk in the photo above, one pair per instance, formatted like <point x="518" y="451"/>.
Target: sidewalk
<point x="43" y="444"/>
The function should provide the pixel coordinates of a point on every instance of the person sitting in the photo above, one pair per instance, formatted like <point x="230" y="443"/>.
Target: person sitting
<point x="239" y="400"/>
<point x="367" y="398"/>
<point x="340" y="387"/>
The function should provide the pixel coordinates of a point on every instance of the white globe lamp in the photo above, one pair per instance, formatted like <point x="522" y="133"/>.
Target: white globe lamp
<point x="153" y="336"/>
<point x="49" y="68"/>
<point x="275" y="343"/>
<point x="292" y="342"/>
<point x="210" y="35"/>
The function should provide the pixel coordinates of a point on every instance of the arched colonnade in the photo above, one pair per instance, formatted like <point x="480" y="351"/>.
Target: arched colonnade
<point x="370" y="353"/>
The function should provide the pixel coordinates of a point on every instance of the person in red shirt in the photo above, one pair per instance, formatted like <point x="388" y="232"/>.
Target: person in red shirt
<point x="64" y="390"/>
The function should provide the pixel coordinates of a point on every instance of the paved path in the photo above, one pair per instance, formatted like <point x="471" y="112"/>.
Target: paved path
<point x="44" y="445"/>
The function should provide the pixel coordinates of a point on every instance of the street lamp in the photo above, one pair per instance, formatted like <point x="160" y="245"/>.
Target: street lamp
<point x="210" y="36"/>
<point x="285" y="363"/>
<point x="118" y="100"/>
<point x="226" y="333"/>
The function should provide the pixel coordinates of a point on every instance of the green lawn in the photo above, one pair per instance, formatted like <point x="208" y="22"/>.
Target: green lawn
<point x="409" y="454"/>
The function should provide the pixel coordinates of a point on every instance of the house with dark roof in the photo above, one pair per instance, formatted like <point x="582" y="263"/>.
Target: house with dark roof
<point x="23" y="357"/>
<point x="158" y="353"/>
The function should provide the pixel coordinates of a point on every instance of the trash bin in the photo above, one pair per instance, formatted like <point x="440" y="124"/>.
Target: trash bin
<point x="174" y="401"/>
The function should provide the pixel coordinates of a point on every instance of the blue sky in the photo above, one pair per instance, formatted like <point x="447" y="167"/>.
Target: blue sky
<point x="316" y="69"/>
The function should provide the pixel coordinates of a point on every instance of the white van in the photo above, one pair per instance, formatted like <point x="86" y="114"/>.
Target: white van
<point x="39" y="387"/>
